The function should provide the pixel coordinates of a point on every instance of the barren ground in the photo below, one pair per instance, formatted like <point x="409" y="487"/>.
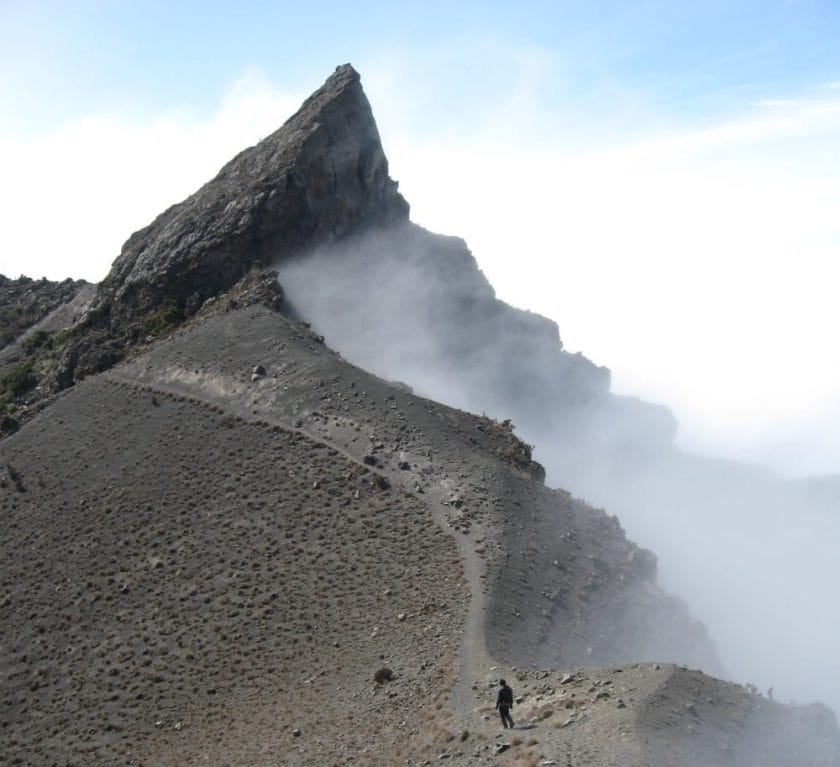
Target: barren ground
<point x="207" y="565"/>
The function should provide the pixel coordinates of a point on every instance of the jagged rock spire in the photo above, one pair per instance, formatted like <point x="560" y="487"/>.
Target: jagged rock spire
<point x="318" y="177"/>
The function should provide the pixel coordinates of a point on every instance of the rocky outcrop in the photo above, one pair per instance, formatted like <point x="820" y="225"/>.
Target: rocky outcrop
<point x="24" y="302"/>
<point x="412" y="305"/>
<point x="33" y="317"/>
<point x="317" y="178"/>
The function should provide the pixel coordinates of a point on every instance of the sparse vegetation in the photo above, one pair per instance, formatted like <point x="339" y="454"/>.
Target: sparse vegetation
<point x="383" y="675"/>
<point x="43" y="353"/>
<point x="18" y="380"/>
<point x="512" y="450"/>
<point x="40" y="339"/>
<point x="25" y="301"/>
<point x="442" y="697"/>
<point x="163" y="321"/>
<point x="16" y="478"/>
<point x="8" y="424"/>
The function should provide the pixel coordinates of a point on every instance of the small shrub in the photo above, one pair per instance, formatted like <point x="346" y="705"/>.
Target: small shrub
<point x="16" y="478"/>
<point x="60" y="340"/>
<point x="163" y="321"/>
<point x="40" y="339"/>
<point x="383" y="675"/>
<point x="8" y="424"/>
<point x="18" y="380"/>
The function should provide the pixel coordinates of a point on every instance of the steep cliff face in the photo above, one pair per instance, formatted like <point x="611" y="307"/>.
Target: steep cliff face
<point x="317" y="193"/>
<point x="317" y="178"/>
<point x="414" y="306"/>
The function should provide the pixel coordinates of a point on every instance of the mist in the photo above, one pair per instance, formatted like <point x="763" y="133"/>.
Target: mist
<point x="753" y="555"/>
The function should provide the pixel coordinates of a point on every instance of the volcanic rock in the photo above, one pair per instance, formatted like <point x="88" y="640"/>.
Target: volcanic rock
<point x="189" y="560"/>
<point x="317" y="178"/>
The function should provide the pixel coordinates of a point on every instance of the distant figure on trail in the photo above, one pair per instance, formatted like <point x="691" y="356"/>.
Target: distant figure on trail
<point x="504" y="702"/>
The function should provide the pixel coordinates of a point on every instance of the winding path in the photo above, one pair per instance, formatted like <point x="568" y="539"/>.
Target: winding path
<point x="473" y="662"/>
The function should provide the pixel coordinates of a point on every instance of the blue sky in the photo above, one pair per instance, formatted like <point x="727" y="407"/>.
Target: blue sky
<point x="661" y="178"/>
<point x="63" y="60"/>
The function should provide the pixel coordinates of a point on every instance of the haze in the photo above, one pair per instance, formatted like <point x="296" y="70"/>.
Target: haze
<point x="753" y="555"/>
<point x="662" y="181"/>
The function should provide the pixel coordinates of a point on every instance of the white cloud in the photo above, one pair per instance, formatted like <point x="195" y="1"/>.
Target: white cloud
<point x="71" y="198"/>
<point x="697" y="262"/>
<point x="700" y="263"/>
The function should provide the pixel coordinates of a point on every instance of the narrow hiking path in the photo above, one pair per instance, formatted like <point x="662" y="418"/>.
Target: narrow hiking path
<point x="473" y="662"/>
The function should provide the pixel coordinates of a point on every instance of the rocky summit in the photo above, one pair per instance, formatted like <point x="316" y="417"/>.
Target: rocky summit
<point x="225" y="544"/>
<point x="322" y="175"/>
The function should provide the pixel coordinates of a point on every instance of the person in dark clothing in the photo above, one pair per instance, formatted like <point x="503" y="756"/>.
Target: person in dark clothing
<point x="504" y="703"/>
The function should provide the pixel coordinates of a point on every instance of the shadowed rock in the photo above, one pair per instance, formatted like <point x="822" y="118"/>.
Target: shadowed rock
<point x="315" y="179"/>
<point x="319" y="177"/>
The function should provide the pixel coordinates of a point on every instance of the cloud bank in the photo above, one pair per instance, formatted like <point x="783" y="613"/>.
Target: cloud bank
<point x="753" y="555"/>
<point x="696" y="259"/>
<point x="73" y="195"/>
<point x="697" y="262"/>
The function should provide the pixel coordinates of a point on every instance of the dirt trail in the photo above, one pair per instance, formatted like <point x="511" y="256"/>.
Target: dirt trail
<point x="536" y="561"/>
<point x="473" y="660"/>
<point x="172" y="574"/>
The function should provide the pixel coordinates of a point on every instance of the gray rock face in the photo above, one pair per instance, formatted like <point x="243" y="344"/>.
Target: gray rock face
<point x="318" y="177"/>
<point x="411" y="305"/>
<point x="33" y="316"/>
<point x="25" y="302"/>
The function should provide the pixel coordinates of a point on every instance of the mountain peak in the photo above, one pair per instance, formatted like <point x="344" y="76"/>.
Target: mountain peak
<point x="319" y="177"/>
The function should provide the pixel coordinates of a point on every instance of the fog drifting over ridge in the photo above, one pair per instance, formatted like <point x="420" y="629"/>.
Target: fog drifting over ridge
<point x="753" y="555"/>
<point x="748" y="193"/>
<point x="711" y="240"/>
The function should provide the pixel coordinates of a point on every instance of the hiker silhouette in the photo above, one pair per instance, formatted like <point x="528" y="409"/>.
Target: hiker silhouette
<point x="504" y="703"/>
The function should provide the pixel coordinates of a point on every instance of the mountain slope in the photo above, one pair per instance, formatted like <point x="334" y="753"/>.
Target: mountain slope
<point x="179" y="553"/>
<point x="214" y="544"/>
<point x="183" y="581"/>
<point x="189" y="543"/>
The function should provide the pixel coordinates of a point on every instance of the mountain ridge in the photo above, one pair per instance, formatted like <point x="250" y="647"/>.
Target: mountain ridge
<point x="218" y="515"/>
<point x="322" y="173"/>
